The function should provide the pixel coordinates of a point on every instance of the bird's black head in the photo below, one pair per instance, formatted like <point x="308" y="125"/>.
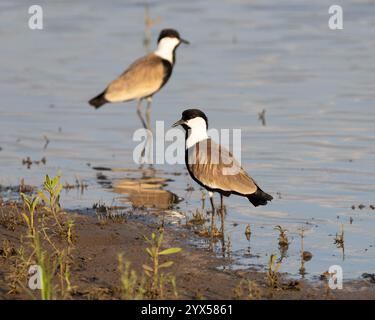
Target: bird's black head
<point x="191" y="114"/>
<point x="171" y="33"/>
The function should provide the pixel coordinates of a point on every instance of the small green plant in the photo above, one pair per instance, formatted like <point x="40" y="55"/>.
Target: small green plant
<point x="283" y="239"/>
<point x="247" y="290"/>
<point x="272" y="274"/>
<point x="53" y="262"/>
<point x="42" y="257"/>
<point x="51" y="197"/>
<point x="64" y="261"/>
<point x="29" y="218"/>
<point x="158" y="280"/>
<point x="339" y="238"/>
<point x="132" y="286"/>
<point x="70" y="231"/>
<point x="48" y="268"/>
<point x="340" y="241"/>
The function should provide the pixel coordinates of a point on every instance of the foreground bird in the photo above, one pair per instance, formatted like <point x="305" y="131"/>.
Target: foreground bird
<point x="214" y="167"/>
<point x="144" y="77"/>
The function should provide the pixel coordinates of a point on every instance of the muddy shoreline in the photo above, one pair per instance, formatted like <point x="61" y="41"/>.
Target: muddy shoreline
<point x="94" y="269"/>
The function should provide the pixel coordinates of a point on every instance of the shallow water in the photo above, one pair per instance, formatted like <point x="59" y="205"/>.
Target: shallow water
<point x="317" y="86"/>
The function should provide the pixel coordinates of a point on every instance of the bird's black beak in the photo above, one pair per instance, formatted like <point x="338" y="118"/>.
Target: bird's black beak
<point x="178" y="123"/>
<point x="184" y="41"/>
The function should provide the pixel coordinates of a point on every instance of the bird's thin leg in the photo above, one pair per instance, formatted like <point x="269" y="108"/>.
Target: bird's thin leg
<point x="213" y="212"/>
<point x="222" y="214"/>
<point x="139" y="112"/>
<point x="149" y="128"/>
<point x="148" y="110"/>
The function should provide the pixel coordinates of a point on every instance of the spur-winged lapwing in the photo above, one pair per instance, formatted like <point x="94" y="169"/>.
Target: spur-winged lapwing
<point x="144" y="77"/>
<point x="214" y="167"/>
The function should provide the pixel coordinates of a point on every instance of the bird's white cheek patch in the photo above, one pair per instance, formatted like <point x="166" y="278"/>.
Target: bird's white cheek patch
<point x="166" y="47"/>
<point x="197" y="123"/>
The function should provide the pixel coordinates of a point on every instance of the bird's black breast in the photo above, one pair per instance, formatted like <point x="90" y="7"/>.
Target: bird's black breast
<point x="191" y="173"/>
<point x="168" y="67"/>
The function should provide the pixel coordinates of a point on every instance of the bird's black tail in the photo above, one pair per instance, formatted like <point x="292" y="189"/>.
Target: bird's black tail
<point x="98" y="101"/>
<point x="259" y="198"/>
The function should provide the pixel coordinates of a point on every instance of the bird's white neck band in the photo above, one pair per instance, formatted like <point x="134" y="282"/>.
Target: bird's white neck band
<point x="166" y="47"/>
<point x="197" y="131"/>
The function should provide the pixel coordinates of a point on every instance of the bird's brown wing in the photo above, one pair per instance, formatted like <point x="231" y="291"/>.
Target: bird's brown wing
<point x="144" y="77"/>
<point x="215" y="167"/>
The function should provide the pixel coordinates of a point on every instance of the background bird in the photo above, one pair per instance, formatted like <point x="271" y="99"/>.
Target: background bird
<point x="144" y="77"/>
<point x="214" y="167"/>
